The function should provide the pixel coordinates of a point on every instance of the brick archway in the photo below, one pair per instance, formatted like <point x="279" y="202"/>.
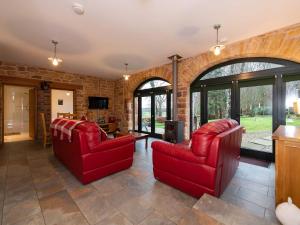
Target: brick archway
<point x="282" y="44"/>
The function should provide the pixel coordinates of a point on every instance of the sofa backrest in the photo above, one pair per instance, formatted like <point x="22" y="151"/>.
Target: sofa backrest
<point x="224" y="155"/>
<point x="92" y="134"/>
<point x="203" y="137"/>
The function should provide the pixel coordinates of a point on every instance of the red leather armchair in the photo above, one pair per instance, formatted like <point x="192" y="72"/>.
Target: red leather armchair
<point x="206" y="166"/>
<point x="90" y="156"/>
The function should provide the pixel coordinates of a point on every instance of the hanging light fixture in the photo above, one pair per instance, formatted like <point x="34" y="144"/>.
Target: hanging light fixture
<point x="216" y="49"/>
<point x="126" y="75"/>
<point x="55" y="61"/>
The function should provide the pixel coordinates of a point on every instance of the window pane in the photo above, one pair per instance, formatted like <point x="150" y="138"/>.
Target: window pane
<point x="256" y="117"/>
<point x="238" y="68"/>
<point x="154" y="84"/>
<point x="196" y="98"/>
<point x="219" y="102"/>
<point x="292" y="103"/>
<point x="160" y="113"/>
<point x="136" y="110"/>
<point x="146" y="113"/>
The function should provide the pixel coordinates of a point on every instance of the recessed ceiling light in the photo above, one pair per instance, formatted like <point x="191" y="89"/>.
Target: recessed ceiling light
<point x="78" y="8"/>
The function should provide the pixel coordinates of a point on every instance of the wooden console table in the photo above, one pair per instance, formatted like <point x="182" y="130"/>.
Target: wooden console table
<point x="137" y="136"/>
<point x="287" y="164"/>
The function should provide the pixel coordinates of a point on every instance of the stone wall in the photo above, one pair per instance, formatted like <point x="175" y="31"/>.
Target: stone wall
<point x="283" y="44"/>
<point x="91" y="86"/>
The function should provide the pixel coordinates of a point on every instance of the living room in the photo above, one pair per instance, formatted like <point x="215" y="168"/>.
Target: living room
<point x="173" y="115"/>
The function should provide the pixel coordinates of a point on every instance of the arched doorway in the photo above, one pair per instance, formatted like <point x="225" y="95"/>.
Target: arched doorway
<point x="260" y="93"/>
<point x="152" y="106"/>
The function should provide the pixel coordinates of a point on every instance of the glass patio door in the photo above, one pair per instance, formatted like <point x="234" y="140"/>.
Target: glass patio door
<point x="292" y="100"/>
<point x="151" y="112"/>
<point x="248" y="102"/>
<point x="218" y="104"/>
<point x="160" y="113"/>
<point x="256" y="116"/>
<point x="146" y="114"/>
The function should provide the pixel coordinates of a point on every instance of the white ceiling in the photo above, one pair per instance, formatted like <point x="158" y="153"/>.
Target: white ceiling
<point x="141" y="32"/>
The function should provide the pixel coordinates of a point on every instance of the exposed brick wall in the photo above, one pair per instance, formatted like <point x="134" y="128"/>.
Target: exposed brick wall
<point x="283" y="44"/>
<point x="92" y="86"/>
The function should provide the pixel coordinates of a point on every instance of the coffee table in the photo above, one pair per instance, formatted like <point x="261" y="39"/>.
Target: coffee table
<point x="137" y="136"/>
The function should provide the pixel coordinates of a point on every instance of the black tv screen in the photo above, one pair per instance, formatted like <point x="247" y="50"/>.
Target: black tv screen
<point x="98" y="102"/>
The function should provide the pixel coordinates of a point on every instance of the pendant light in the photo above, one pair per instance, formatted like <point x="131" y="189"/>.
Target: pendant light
<point x="126" y="75"/>
<point x="216" y="49"/>
<point x="54" y="60"/>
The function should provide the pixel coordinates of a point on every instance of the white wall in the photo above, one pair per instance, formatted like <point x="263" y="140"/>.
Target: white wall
<point x="16" y="109"/>
<point x="66" y="96"/>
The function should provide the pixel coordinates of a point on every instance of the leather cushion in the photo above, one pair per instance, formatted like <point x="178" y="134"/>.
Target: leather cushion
<point x="91" y="132"/>
<point x="202" y="138"/>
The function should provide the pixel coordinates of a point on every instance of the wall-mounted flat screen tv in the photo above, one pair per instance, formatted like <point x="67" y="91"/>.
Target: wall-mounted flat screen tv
<point x="98" y="102"/>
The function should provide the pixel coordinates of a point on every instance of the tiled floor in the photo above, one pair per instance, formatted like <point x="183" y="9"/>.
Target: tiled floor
<point x="37" y="189"/>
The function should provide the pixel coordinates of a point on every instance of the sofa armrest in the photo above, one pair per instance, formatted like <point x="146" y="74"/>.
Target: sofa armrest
<point x="114" y="143"/>
<point x="178" y="151"/>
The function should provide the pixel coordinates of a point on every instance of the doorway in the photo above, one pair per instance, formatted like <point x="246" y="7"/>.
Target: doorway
<point x="19" y="117"/>
<point x="62" y="101"/>
<point x="256" y="116"/>
<point x="152" y="107"/>
<point x="259" y="93"/>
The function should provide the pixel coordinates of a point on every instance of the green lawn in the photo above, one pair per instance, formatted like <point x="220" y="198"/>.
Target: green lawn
<point x="264" y="123"/>
<point x="293" y="121"/>
<point x="257" y="123"/>
<point x="159" y="125"/>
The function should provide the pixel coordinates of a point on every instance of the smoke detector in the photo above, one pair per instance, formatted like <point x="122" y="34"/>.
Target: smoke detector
<point x="78" y="8"/>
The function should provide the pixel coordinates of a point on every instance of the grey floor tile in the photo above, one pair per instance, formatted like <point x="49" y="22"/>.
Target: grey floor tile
<point x="59" y="208"/>
<point x="244" y="204"/>
<point x="156" y="219"/>
<point x="107" y="186"/>
<point x="36" y="219"/>
<point x="116" y="219"/>
<point x="18" y="211"/>
<point x="132" y="196"/>
<point x="262" y="200"/>
<point x="134" y="211"/>
<point x="94" y="207"/>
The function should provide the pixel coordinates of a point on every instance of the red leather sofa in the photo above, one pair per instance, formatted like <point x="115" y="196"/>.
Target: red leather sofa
<point x="206" y="166"/>
<point x="90" y="156"/>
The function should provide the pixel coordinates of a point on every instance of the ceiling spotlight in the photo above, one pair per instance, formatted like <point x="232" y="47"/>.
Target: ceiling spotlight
<point x="55" y="61"/>
<point x="126" y="75"/>
<point x="78" y="8"/>
<point x="216" y="49"/>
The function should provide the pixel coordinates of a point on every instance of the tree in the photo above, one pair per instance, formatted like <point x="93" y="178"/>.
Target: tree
<point x="160" y="100"/>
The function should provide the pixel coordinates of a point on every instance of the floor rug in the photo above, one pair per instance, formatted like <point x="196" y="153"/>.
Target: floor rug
<point x="256" y="162"/>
